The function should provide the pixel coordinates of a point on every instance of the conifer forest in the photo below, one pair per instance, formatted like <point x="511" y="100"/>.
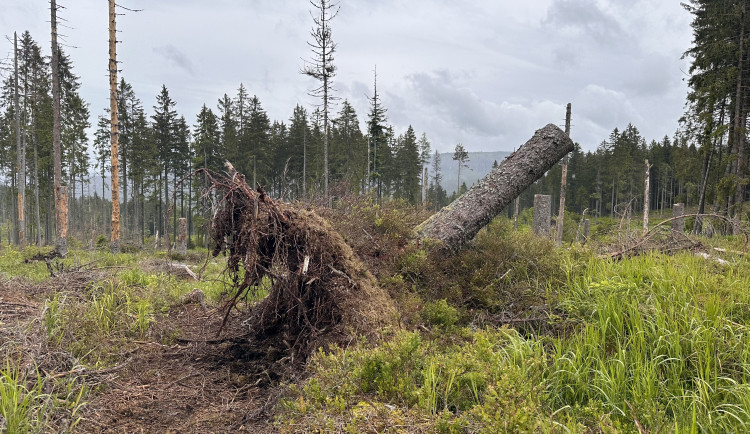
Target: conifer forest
<point x="364" y="260"/>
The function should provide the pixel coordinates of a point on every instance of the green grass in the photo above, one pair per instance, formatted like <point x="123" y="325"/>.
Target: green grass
<point x="26" y="407"/>
<point x="664" y="340"/>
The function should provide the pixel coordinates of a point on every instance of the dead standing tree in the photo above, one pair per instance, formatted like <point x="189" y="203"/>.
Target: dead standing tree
<point x="563" y="183"/>
<point x="458" y="222"/>
<point x="61" y="191"/>
<point x="114" y="134"/>
<point x="21" y="149"/>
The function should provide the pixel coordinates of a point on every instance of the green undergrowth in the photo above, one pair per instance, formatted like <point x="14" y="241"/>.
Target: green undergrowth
<point x="36" y="403"/>
<point x="501" y="270"/>
<point x="653" y="343"/>
<point x="470" y="380"/>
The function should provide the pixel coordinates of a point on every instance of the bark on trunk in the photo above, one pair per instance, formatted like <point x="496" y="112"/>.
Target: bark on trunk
<point x="739" y="131"/>
<point x="182" y="237"/>
<point x="458" y="222"/>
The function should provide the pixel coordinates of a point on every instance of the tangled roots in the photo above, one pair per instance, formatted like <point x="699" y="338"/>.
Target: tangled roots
<point x="319" y="292"/>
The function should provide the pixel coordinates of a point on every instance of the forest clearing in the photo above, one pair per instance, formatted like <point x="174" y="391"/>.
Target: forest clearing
<point x="513" y="334"/>
<point x="254" y="271"/>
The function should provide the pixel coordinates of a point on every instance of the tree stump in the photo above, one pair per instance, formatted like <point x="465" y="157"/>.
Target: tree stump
<point x="542" y="214"/>
<point x="678" y="210"/>
<point x="182" y="236"/>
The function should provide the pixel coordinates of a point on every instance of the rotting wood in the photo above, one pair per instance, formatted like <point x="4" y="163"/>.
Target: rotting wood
<point x="182" y="268"/>
<point x="706" y="256"/>
<point x="642" y="245"/>
<point x="460" y="221"/>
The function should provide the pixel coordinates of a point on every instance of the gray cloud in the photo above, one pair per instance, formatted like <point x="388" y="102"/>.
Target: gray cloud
<point x="460" y="105"/>
<point x="175" y="57"/>
<point x="486" y="73"/>
<point x="587" y="18"/>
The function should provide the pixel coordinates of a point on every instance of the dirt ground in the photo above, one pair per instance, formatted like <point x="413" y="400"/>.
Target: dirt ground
<point x="198" y="383"/>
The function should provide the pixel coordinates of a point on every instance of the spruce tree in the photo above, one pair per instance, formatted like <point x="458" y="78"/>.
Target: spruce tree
<point x="164" y="121"/>
<point x="461" y="157"/>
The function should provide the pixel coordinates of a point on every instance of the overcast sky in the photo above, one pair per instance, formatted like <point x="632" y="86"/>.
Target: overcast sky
<point x="485" y="73"/>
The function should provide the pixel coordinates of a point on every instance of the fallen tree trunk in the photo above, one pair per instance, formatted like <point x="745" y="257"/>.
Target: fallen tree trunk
<point x="458" y="222"/>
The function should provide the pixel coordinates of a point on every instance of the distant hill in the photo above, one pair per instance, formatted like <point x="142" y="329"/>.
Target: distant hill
<point x="480" y="164"/>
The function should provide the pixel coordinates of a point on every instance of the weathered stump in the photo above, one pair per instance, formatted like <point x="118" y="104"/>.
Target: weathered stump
<point x="182" y="236"/>
<point x="61" y="242"/>
<point x="458" y="222"/>
<point x="678" y="224"/>
<point x="542" y="214"/>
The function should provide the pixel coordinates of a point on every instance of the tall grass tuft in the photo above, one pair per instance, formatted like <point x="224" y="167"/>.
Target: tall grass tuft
<point x="664" y="342"/>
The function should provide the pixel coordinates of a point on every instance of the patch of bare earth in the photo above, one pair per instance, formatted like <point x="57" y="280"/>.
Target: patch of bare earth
<point x="199" y="382"/>
<point x="184" y="378"/>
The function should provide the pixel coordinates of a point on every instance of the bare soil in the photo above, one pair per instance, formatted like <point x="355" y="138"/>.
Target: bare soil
<point x="182" y="379"/>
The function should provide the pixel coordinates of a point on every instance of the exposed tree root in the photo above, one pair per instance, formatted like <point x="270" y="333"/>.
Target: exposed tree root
<point x="318" y="292"/>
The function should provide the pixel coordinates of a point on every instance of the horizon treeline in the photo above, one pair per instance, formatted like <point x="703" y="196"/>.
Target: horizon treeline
<point x="158" y="149"/>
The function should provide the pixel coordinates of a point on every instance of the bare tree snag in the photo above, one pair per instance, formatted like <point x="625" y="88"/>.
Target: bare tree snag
<point x="563" y="183"/>
<point x="586" y="229"/>
<point x="542" y="214"/>
<point x="515" y="213"/>
<point x="115" y="164"/>
<point x="61" y="211"/>
<point x="458" y="222"/>
<point x="646" y="197"/>
<point x="20" y="150"/>
<point x="678" y="224"/>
